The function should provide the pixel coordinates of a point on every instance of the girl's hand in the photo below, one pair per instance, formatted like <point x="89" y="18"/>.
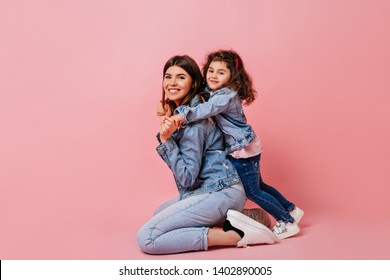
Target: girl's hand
<point x="178" y="118"/>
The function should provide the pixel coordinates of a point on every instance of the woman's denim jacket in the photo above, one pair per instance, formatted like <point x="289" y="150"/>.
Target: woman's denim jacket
<point x="226" y="107"/>
<point x="195" y="153"/>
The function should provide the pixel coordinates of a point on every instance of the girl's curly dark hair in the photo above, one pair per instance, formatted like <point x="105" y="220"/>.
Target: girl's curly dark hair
<point x="240" y="80"/>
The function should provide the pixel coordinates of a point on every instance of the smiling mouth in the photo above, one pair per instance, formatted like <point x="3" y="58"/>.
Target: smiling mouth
<point x="173" y="90"/>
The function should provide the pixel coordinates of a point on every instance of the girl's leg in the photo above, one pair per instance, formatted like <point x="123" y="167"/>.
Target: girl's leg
<point x="249" y="171"/>
<point x="184" y="225"/>
<point x="287" y="205"/>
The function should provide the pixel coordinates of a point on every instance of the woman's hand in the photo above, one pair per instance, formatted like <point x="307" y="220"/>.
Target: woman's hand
<point x="168" y="127"/>
<point x="176" y="118"/>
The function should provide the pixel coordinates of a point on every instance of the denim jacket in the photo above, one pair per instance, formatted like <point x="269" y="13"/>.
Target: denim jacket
<point x="195" y="153"/>
<point x="226" y="107"/>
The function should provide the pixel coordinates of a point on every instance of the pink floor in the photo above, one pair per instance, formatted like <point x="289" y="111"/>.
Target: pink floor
<point x="323" y="236"/>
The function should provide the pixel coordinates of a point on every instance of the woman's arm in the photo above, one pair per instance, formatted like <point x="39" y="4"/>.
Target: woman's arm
<point x="184" y="157"/>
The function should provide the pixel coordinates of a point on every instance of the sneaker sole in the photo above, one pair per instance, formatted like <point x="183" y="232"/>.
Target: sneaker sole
<point x="239" y="220"/>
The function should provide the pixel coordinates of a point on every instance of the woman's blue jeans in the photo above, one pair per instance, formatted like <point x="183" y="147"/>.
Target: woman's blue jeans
<point x="182" y="225"/>
<point x="262" y="194"/>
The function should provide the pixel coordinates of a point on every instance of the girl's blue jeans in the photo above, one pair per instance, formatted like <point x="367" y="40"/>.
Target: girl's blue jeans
<point x="182" y="225"/>
<point x="259" y="192"/>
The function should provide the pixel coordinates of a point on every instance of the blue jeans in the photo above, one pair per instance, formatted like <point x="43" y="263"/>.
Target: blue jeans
<point x="262" y="194"/>
<point x="182" y="225"/>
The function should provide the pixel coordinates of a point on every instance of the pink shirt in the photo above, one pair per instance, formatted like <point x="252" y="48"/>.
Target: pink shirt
<point x="253" y="149"/>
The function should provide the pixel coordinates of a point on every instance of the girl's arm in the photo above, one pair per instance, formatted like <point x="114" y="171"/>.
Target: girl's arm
<point x="216" y="104"/>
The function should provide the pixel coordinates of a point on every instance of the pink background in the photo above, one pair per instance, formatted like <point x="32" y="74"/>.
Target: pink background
<point x="79" y="81"/>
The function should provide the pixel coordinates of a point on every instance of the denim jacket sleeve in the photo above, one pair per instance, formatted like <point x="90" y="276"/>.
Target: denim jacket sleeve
<point x="218" y="102"/>
<point x="185" y="159"/>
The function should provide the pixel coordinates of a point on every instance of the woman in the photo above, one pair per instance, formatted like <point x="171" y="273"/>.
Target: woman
<point x="207" y="182"/>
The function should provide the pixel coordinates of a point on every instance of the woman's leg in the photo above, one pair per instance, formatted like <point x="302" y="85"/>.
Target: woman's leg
<point x="166" y="204"/>
<point x="184" y="225"/>
<point x="218" y="237"/>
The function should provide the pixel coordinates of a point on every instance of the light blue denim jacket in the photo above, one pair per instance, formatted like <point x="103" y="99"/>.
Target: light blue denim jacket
<point x="226" y="107"/>
<point x="196" y="155"/>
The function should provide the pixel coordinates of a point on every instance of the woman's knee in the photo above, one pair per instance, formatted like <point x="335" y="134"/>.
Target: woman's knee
<point x="144" y="241"/>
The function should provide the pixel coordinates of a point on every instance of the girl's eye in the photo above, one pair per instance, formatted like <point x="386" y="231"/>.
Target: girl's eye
<point x="167" y="77"/>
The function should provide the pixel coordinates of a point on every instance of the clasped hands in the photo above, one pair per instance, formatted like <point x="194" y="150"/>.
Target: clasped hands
<point x="168" y="123"/>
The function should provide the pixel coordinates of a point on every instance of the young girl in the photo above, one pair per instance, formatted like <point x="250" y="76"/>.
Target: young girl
<point x="229" y="85"/>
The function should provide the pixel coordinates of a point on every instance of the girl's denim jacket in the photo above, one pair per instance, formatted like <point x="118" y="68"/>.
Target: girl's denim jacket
<point x="226" y="107"/>
<point x="195" y="153"/>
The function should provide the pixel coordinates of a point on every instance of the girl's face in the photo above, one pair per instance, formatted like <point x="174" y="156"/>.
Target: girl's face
<point x="176" y="83"/>
<point x="218" y="75"/>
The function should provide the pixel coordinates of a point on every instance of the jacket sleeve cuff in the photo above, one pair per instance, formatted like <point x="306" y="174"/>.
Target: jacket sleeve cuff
<point x="183" y="111"/>
<point x="166" y="147"/>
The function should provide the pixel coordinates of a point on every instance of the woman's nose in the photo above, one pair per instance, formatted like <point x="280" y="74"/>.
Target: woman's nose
<point x="172" y="81"/>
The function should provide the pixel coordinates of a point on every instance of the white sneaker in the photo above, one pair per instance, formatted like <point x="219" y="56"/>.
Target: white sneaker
<point x="297" y="214"/>
<point x="283" y="230"/>
<point x="254" y="232"/>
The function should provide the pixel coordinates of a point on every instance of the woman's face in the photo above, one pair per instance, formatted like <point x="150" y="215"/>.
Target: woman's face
<point x="176" y="83"/>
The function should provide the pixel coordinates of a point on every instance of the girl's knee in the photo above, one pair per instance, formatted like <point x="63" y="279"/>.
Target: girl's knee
<point x="254" y="195"/>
